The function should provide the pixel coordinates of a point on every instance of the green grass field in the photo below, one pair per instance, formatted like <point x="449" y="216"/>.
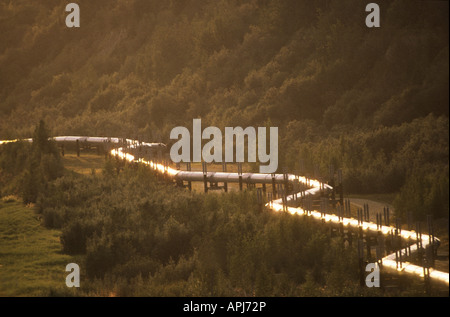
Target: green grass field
<point x="31" y="262"/>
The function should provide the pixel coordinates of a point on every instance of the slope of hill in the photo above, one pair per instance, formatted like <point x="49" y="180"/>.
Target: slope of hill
<point x="142" y="65"/>
<point x="372" y="101"/>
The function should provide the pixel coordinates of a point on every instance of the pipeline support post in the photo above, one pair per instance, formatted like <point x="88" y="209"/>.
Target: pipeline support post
<point x="269" y="198"/>
<point x="78" y="148"/>
<point x="240" y="175"/>
<point x="431" y="236"/>
<point x="332" y="184"/>
<point x="224" y="169"/>
<point x="188" y="168"/>
<point x="205" y="177"/>
<point x="274" y="190"/>
<point x="259" y="198"/>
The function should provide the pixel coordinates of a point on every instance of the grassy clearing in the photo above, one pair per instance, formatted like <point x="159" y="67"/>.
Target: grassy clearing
<point x="86" y="164"/>
<point x="381" y="198"/>
<point x="31" y="262"/>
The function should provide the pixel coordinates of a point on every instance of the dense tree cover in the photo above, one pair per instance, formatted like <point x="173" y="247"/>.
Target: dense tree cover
<point x="139" y="66"/>
<point x="411" y="159"/>
<point x="26" y="168"/>
<point x="139" y="236"/>
<point x="143" y="238"/>
<point x="372" y="101"/>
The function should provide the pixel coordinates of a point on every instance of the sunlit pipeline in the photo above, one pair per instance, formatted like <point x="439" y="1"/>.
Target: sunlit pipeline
<point x="388" y="262"/>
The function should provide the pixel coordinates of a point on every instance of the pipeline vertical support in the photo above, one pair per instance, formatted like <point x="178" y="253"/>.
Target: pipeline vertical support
<point x="387" y="214"/>
<point x="378" y="221"/>
<point x="78" y="148"/>
<point x="426" y="272"/>
<point x="431" y="237"/>
<point x="285" y="189"/>
<point x="349" y="207"/>
<point x="309" y="201"/>
<point x="360" y="217"/>
<point x="240" y="175"/>
<point x="430" y="229"/>
<point x="205" y="176"/>
<point x="398" y="227"/>
<point x="332" y="184"/>
<point x="357" y="216"/>
<point x="179" y="182"/>
<point x="409" y="247"/>
<point x="418" y="236"/>
<point x="224" y="169"/>
<point x="259" y="198"/>
<point x="379" y="248"/>
<point x="188" y="168"/>
<point x="274" y="190"/>
<point x="349" y="237"/>
<point x="269" y="198"/>
<point x="341" y="212"/>
<point x="321" y="207"/>
<point x="165" y="164"/>
<point x="285" y="181"/>
<point x="396" y="259"/>
<point x="378" y="225"/>
<point x="364" y="217"/>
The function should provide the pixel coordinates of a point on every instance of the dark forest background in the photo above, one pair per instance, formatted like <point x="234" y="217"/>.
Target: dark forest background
<point x="372" y="101"/>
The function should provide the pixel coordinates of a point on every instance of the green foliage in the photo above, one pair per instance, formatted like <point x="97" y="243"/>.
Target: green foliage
<point x="373" y="102"/>
<point x="44" y="165"/>
<point x="29" y="167"/>
<point x="141" y="238"/>
<point x="31" y="260"/>
<point x="172" y="61"/>
<point x="366" y="100"/>
<point x="410" y="159"/>
<point x="424" y="194"/>
<point x="360" y="95"/>
<point x="137" y="237"/>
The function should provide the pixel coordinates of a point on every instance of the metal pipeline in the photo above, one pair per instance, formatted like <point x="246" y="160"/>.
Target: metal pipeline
<point x="388" y="262"/>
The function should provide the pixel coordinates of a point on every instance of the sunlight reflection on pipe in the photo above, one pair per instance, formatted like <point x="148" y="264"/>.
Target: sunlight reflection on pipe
<point x="388" y="262"/>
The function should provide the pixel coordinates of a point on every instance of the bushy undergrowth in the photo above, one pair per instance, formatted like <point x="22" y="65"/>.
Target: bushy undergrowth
<point x="140" y="237"/>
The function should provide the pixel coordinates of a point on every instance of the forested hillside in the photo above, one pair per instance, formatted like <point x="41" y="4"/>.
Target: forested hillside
<point x="372" y="101"/>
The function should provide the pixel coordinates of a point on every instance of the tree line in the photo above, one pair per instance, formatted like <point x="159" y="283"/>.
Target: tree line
<point x="372" y="101"/>
<point x="138" y="236"/>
